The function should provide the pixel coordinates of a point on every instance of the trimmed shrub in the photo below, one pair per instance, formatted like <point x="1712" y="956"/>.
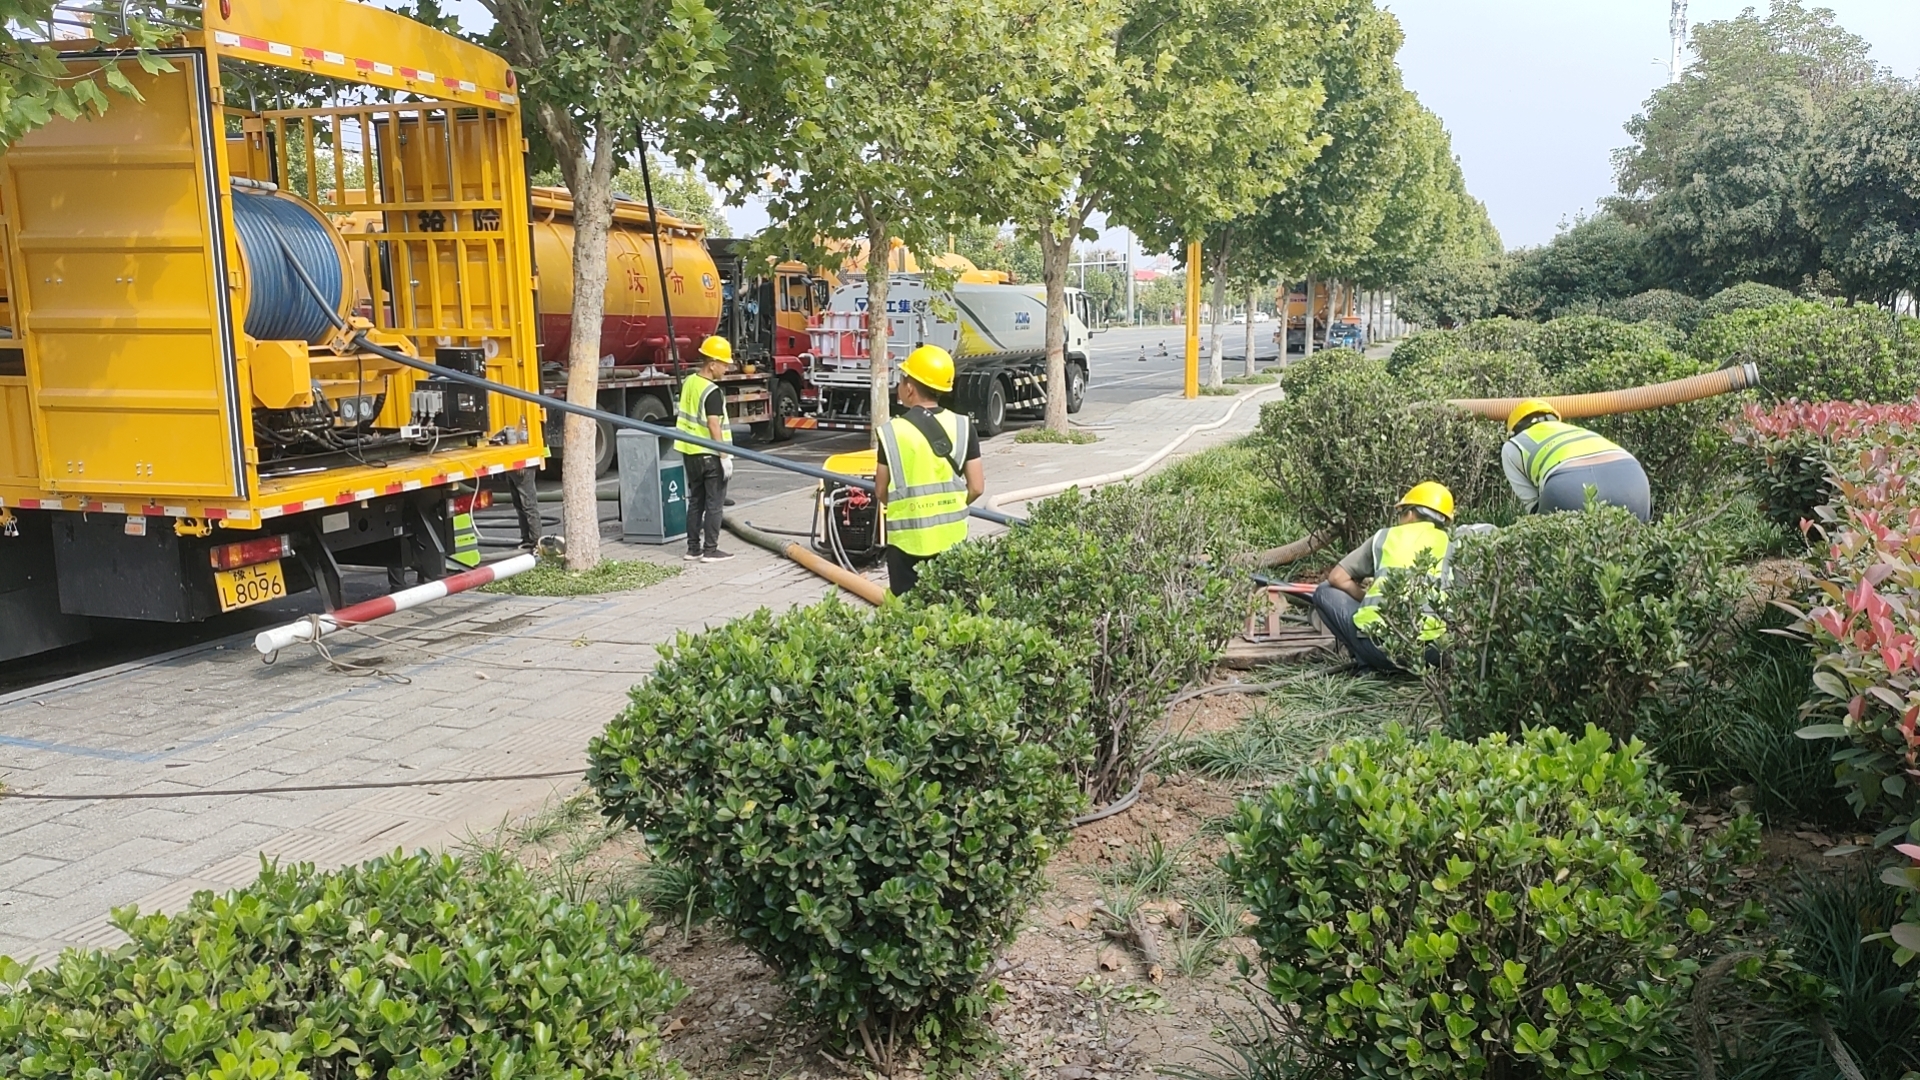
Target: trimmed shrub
<point x="1127" y="582"/>
<point x="1473" y="373"/>
<point x="1683" y="447"/>
<point x="1568" y="620"/>
<point x="870" y="800"/>
<point x="1441" y="909"/>
<point x="1230" y="485"/>
<point x="1348" y="444"/>
<point x="411" y="967"/>
<point x="1567" y="343"/>
<point x="1655" y="305"/>
<point x="1421" y="347"/>
<point x="1788" y="447"/>
<point x="1500" y="334"/>
<point x="1810" y="351"/>
<point x="1742" y="297"/>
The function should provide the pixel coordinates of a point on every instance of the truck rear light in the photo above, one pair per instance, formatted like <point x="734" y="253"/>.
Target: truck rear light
<point x="467" y="504"/>
<point x="249" y="552"/>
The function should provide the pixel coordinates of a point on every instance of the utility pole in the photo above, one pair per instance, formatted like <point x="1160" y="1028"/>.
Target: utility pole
<point x="1193" y="320"/>
<point x="1677" y="26"/>
<point x="1130" y="321"/>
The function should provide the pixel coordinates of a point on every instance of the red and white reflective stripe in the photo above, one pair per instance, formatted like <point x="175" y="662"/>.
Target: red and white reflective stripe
<point x="280" y="637"/>
<point x="230" y="40"/>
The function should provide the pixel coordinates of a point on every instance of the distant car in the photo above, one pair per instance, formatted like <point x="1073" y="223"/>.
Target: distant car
<point x="1346" y="336"/>
<point x="1240" y="319"/>
<point x="1261" y="316"/>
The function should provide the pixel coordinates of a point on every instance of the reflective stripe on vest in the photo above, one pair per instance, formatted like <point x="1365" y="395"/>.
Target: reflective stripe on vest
<point x="1550" y="444"/>
<point x="1400" y="548"/>
<point x="692" y="421"/>
<point x="466" y="541"/>
<point x="926" y="493"/>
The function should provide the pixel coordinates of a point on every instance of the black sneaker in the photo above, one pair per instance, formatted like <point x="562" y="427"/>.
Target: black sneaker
<point x="693" y="555"/>
<point x="716" y="555"/>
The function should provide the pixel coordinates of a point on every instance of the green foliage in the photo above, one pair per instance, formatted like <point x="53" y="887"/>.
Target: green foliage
<point x="1685" y="448"/>
<point x="1450" y="290"/>
<point x="1500" y="334"/>
<point x="1505" y="908"/>
<point x="1858" y="993"/>
<point x="551" y="578"/>
<point x="1742" y="297"/>
<point x="1569" y="619"/>
<point x="1420" y="348"/>
<point x="869" y="799"/>
<point x="1047" y="435"/>
<point x="1596" y="260"/>
<point x="1476" y="374"/>
<point x="1813" y="351"/>
<point x="1349" y="439"/>
<point x="1125" y="580"/>
<point x="412" y="967"/>
<point x="35" y="84"/>
<point x="1568" y="342"/>
<point x="1294" y="725"/>
<point x="1655" y="305"/>
<point x="1230" y="486"/>
<point x="1862" y="190"/>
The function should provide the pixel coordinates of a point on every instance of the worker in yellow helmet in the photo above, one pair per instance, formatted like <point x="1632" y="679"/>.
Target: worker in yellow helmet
<point x="1348" y="599"/>
<point x="1551" y="464"/>
<point x="928" y="470"/>
<point x="703" y="414"/>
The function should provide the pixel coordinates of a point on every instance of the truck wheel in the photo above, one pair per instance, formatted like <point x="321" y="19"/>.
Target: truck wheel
<point x="1076" y="387"/>
<point x="786" y="406"/>
<point x="993" y="414"/>
<point x="605" y="449"/>
<point x="651" y="410"/>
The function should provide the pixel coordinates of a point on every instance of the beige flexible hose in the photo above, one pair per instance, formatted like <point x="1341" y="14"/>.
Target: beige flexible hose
<point x="1634" y="399"/>
<point x="870" y="591"/>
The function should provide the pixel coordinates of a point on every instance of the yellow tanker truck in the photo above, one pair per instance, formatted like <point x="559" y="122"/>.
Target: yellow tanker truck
<point x="190" y="419"/>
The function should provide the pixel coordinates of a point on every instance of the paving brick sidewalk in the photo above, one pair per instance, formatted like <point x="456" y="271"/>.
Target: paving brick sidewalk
<point x="508" y="685"/>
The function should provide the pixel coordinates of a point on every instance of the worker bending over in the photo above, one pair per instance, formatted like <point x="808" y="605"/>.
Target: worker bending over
<point x="1551" y="464"/>
<point x="703" y="414"/>
<point x="934" y="455"/>
<point x="1350" y="609"/>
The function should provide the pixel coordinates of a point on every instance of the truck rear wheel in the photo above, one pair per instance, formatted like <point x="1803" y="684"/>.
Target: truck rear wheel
<point x="605" y="450"/>
<point x="1076" y="387"/>
<point x="786" y="407"/>
<point x="649" y="409"/>
<point x="993" y="413"/>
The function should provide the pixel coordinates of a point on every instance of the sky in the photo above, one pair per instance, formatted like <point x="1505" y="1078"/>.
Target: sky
<point x="1537" y="92"/>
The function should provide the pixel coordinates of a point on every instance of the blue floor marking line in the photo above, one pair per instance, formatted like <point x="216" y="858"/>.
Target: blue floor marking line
<point x="143" y="757"/>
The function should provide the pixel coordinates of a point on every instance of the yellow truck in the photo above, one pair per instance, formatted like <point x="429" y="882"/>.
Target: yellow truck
<point x="190" y="419"/>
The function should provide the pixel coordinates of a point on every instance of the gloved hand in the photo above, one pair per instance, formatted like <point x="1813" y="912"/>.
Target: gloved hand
<point x="726" y="466"/>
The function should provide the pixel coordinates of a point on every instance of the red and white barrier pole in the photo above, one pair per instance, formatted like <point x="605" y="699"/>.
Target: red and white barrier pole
<point x="280" y="637"/>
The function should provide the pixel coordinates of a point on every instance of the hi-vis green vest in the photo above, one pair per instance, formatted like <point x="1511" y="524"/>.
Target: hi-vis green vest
<point x="1399" y="548"/>
<point x="692" y="421"/>
<point x="1550" y="444"/>
<point x="926" y="493"/>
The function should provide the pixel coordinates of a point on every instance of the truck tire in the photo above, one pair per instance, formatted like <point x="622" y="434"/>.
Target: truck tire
<point x="786" y="406"/>
<point x="649" y="409"/>
<point x="993" y="412"/>
<point x="605" y="450"/>
<point x="1076" y="387"/>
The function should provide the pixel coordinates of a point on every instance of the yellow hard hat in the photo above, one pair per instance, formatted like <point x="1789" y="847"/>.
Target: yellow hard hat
<point x="931" y="366"/>
<point x="1532" y="406"/>
<point x="1429" y="495"/>
<point x="717" y="348"/>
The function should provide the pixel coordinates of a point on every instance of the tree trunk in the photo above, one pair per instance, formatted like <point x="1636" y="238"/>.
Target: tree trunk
<point x="592" y="215"/>
<point x="1307" y="349"/>
<point x="879" y="370"/>
<point x="1253" y="292"/>
<point x="1055" y="253"/>
<point x="1216" y="375"/>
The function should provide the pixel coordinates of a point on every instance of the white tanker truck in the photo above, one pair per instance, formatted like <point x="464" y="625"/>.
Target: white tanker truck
<point x="996" y="332"/>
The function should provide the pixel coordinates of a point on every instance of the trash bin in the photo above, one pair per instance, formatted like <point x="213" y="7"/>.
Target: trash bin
<point x="653" y="489"/>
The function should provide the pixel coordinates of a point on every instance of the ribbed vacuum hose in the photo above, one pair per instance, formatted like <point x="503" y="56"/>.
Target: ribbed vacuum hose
<point x="870" y="591"/>
<point x="1635" y="399"/>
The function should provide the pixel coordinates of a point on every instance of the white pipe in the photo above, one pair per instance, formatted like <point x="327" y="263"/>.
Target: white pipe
<point x="273" y="640"/>
<point x="995" y="502"/>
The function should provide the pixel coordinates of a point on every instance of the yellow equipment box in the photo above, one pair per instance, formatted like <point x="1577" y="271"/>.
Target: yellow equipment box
<point x="187" y="423"/>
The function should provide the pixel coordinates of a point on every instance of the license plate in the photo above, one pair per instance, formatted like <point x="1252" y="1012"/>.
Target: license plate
<point x="250" y="585"/>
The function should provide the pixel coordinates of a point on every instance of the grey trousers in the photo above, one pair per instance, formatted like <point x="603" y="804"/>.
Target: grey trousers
<point x="1621" y="482"/>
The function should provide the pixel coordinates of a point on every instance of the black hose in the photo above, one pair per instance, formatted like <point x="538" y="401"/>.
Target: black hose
<point x="615" y="419"/>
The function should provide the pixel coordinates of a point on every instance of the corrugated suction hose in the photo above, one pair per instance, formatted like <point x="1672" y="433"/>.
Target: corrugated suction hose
<point x="278" y="306"/>
<point x="1636" y="399"/>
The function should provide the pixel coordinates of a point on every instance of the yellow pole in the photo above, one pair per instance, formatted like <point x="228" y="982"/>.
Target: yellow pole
<point x="1193" y="319"/>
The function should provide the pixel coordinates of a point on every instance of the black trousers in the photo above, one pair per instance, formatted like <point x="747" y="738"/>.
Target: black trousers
<point x="903" y="570"/>
<point x="706" y="501"/>
<point x="526" y="505"/>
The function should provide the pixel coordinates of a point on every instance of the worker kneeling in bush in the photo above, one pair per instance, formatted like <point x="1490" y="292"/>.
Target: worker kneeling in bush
<point x="1550" y="464"/>
<point x="1352" y="612"/>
